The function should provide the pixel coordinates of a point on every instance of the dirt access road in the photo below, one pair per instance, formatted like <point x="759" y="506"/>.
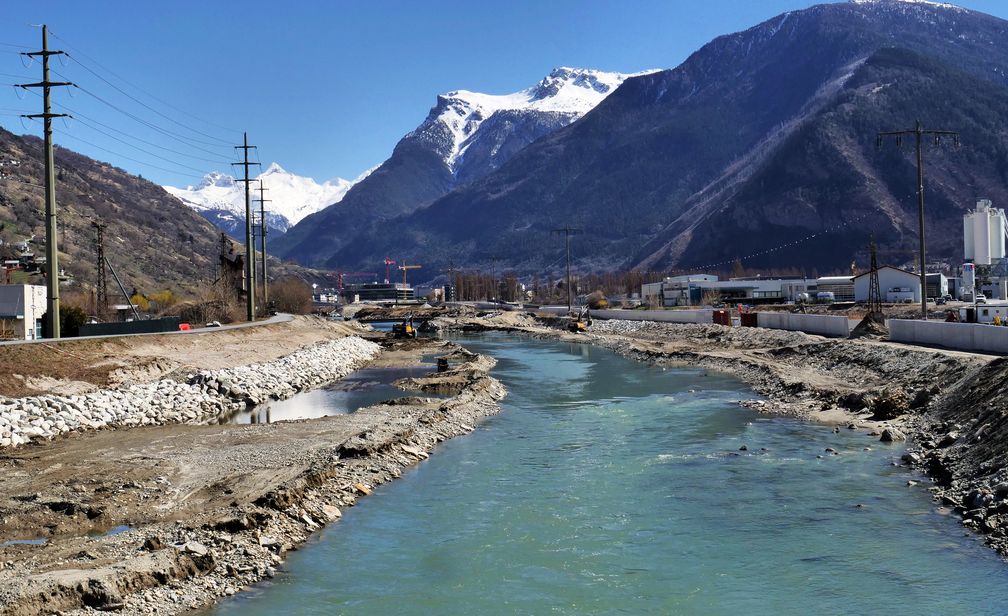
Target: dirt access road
<point x="74" y="366"/>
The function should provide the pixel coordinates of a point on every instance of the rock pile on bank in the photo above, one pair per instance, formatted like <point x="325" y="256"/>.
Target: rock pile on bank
<point x="204" y="397"/>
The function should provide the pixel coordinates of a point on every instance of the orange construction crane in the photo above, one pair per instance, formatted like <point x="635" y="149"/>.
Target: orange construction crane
<point x="404" y="268"/>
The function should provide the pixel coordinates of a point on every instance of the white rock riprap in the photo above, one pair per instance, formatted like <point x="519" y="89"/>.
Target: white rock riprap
<point x="204" y="397"/>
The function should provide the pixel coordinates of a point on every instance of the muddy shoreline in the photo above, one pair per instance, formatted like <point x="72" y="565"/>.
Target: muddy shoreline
<point x="198" y="512"/>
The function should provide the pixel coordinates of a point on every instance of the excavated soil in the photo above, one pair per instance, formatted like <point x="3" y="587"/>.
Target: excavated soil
<point x="166" y="519"/>
<point x="74" y="366"/>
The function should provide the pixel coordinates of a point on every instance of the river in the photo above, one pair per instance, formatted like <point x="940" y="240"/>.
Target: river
<point x="610" y="486"/>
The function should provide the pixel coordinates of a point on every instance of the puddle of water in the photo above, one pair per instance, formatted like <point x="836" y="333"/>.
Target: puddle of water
<point x="38" y="541"/>
<point x="365" y="387"/>
<point x="110" y="532"/>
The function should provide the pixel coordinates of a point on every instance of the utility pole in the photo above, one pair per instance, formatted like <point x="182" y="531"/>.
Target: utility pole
<point x="567" y="232"/>
<point x="101" y="286"/>
<point x="249" y="245"/>
<point x="918" y="132"/>
<point x="52" y="256"/>
<point x="262" y="239"/>
<point x="874" y="288"/>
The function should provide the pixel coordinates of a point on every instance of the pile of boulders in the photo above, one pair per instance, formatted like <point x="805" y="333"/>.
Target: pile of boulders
<point x="202" y="398"/>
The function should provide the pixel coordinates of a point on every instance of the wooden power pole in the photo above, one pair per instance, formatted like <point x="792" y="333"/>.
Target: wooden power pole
<point x="250" y="280"/>
<point x="52" y="255"/>
<point x="918" y="134"/>
<point x="262" y="239"/>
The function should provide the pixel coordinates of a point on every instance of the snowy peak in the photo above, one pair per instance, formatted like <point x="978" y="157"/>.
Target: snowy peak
<point x="943" y="5"/>
<point x="217" y="179"/>
<point x="292" y="196"/>
<point x="571" y="92"/>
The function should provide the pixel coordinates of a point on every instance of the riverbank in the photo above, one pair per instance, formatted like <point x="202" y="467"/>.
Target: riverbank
<point x="163" y="519"/>
<point x="952" y="406"/>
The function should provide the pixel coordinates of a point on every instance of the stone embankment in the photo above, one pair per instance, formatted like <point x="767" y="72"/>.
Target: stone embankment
<point x="204" y="397"/>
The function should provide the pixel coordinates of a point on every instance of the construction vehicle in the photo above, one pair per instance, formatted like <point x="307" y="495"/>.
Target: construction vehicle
<point x="581" y="322"/>
<point x="404" y="329"/>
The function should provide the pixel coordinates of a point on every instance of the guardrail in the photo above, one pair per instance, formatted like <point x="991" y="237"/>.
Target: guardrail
<point x="960" y="336"/>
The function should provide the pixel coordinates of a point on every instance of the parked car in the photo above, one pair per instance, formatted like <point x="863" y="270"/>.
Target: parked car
<point x="948" y="298"/>
<point x="941" y="301"/>
<point x="980" y="298"/>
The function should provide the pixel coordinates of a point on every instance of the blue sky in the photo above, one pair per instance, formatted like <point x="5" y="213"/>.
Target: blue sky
<point x="324" y="88"/>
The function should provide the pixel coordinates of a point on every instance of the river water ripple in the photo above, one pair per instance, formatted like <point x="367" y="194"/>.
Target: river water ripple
<point x="609" y="486"/>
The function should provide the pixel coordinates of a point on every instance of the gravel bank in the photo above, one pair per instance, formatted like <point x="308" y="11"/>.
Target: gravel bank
<point x="169" y="519"/>
<point x="203" y="397"/>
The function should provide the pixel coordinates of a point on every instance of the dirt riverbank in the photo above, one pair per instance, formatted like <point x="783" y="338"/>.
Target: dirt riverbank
<point x="76" y="366"/>
<point x="166" y="519"/>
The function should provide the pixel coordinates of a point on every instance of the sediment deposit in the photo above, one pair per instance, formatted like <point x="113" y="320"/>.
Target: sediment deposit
<point x="163" y="519"/>
<point x="203" y="397"/>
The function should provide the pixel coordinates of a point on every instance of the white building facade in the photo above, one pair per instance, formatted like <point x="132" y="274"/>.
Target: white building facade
<point x="896" y="285"/>
<point x="22" y="307"/>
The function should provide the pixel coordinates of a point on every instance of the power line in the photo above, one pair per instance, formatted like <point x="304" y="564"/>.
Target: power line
<point x="919" y="133"/>
<point x="77" y="116"/>
<point x="145" y="163"/>
<point x="143" y="104"/>
<point x="81" y="119"/>
<point x="189" y="141"/>
<point x="249" y="245"/>
<point x="141" y="90"/>
<point x="52" y="254"/>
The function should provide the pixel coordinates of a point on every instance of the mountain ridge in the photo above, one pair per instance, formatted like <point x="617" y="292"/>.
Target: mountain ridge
<point x="649" y="152"/>
<point x="464" y="136"/>
<point x="221" y="199"/>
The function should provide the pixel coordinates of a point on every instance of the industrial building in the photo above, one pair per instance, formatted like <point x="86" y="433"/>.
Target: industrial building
<point x="700" y="289"/>
<point x="380" y="292"/>
<point x="985" y="231"/>
<point x="842" y="287"/>
<point x="896" y="285"/>
<point x="937" y="285"/>
<point x="22" y="307"/>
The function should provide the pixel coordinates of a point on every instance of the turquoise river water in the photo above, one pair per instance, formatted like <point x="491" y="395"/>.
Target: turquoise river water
<point x="609" y="486"/>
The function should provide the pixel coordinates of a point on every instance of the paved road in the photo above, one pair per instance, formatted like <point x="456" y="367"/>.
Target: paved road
<point x="280" y="318"/>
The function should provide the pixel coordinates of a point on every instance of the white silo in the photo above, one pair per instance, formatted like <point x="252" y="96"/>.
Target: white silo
<point x="981" y="233"/>
<point x="996" y="220"/>
<point x="969" y="250"/>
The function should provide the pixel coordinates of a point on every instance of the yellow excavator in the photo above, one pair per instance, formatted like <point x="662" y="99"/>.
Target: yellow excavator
<point x="404" y="329"/>
<point x="581" y="322"/>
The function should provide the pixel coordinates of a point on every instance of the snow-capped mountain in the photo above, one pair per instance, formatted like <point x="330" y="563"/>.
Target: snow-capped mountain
<point x="462" y="120"/>
<point x="221" y="199"/>
<point x="466" y="136"/>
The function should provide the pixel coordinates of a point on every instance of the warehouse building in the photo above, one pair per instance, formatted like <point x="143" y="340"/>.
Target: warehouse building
<point x="896" y="285"/>
<point x="703" y="289"/>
